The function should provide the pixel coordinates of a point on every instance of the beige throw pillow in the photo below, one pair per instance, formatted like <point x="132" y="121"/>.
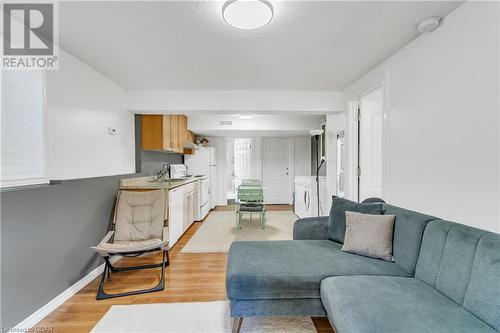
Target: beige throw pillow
<point x="369" y="235"/>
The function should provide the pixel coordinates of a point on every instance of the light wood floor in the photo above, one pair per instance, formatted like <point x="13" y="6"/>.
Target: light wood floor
<point x="191" y="277"/>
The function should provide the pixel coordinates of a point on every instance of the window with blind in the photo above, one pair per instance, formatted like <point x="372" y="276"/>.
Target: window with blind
<point x="23" y="145"/>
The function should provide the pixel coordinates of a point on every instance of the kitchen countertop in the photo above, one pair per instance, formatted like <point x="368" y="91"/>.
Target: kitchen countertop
<point x="148" y="184"/>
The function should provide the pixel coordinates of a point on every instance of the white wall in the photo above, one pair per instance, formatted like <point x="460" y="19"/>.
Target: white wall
<point x="302" y="155"/>
<point x="233" y="101"/>
<point x="81" y="105"/>
<point x="442" y="119"/>
<point x="261" y="126"/>
<point x="334" y="124"/>
<point x="257" y="157"/>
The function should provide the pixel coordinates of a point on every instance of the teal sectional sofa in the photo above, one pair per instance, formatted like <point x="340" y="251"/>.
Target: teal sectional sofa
<point x="445" y="278"/>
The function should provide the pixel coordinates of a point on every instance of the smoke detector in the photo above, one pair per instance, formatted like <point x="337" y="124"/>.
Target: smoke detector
<point x="429" y="24"/>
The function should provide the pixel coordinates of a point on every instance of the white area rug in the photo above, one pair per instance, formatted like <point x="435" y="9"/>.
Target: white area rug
<point x="218" y="231"/>
<point x="192" y="317"/>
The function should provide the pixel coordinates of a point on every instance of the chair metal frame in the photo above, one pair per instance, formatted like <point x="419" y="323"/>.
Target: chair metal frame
<point x="109" y="268"/>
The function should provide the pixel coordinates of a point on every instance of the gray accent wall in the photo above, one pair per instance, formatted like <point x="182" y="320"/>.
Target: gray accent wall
<point x="46" y="235"/>
<point x="152" y="161"/>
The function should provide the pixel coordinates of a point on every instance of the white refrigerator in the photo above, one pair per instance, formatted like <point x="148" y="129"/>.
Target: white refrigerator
<point x="203" y="161"/>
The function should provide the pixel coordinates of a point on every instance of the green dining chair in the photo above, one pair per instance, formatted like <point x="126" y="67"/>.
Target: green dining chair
<point x="251" y="182"/>
<point x="250" y="200"/>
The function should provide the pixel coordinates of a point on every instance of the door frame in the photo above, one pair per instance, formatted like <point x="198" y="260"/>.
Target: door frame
<point x="353" y="107"/>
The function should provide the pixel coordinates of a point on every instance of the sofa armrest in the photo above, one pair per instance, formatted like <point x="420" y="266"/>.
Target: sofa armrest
<point x="313" y="228"/>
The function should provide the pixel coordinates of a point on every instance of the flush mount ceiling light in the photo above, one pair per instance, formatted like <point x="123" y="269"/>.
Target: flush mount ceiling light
<point x="246" y="116"/>
<point x="429" y="24"/>
<point x="247" y="14"/>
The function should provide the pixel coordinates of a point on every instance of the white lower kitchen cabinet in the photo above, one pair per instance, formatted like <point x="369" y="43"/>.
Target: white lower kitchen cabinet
<point x="175" y="215"/>
<point x="182" y="202"/>
<point x="189" y="208"/>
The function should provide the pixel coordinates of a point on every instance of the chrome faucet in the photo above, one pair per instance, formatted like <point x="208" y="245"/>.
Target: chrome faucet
<point x="164" y="171"/>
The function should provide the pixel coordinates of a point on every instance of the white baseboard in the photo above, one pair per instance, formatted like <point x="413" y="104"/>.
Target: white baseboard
<point x="45" y="310"/>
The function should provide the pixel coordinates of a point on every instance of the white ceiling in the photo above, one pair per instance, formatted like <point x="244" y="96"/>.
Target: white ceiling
<point x="309" y="45"/>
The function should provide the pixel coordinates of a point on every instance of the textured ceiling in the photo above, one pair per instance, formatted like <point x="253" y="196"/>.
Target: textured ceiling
<point x="309" y="45"/>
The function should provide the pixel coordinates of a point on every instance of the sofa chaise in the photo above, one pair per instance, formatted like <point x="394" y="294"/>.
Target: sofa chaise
<point x="445" y="278"/>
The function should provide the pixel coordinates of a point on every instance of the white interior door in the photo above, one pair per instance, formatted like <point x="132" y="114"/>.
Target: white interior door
<point x="277" y="175"/>
<point x="370" y="145"/>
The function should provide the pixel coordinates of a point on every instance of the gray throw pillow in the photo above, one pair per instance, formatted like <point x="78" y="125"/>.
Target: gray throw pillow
<point x="369" y="235"/>
<point x="336" y="224"/>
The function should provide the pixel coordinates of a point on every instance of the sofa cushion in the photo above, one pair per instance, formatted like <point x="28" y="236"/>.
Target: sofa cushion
<point x="408" y="231"/>
<point x="446" y="258"/>
<point x="393" y="304"/>
<point x="336" y="228"/>
<point x="463" y="263"/>
<point x="293" y="269"/>
<point x="483" y="293"/>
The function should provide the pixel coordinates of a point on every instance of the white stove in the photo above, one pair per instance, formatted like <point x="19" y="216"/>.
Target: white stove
<point x="203" y="198"/>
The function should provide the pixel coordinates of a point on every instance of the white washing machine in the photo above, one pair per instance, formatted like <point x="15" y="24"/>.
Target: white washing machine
<point x="306" y="200"/>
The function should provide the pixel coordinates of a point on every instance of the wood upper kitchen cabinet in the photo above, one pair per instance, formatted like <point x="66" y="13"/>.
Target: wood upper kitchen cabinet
<point x="183" y="128"/>
<point x="165" y="132"/>
<point x="175" y="134"/>
<point x="167" y="140"/>
<point x="152" y="132"/>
